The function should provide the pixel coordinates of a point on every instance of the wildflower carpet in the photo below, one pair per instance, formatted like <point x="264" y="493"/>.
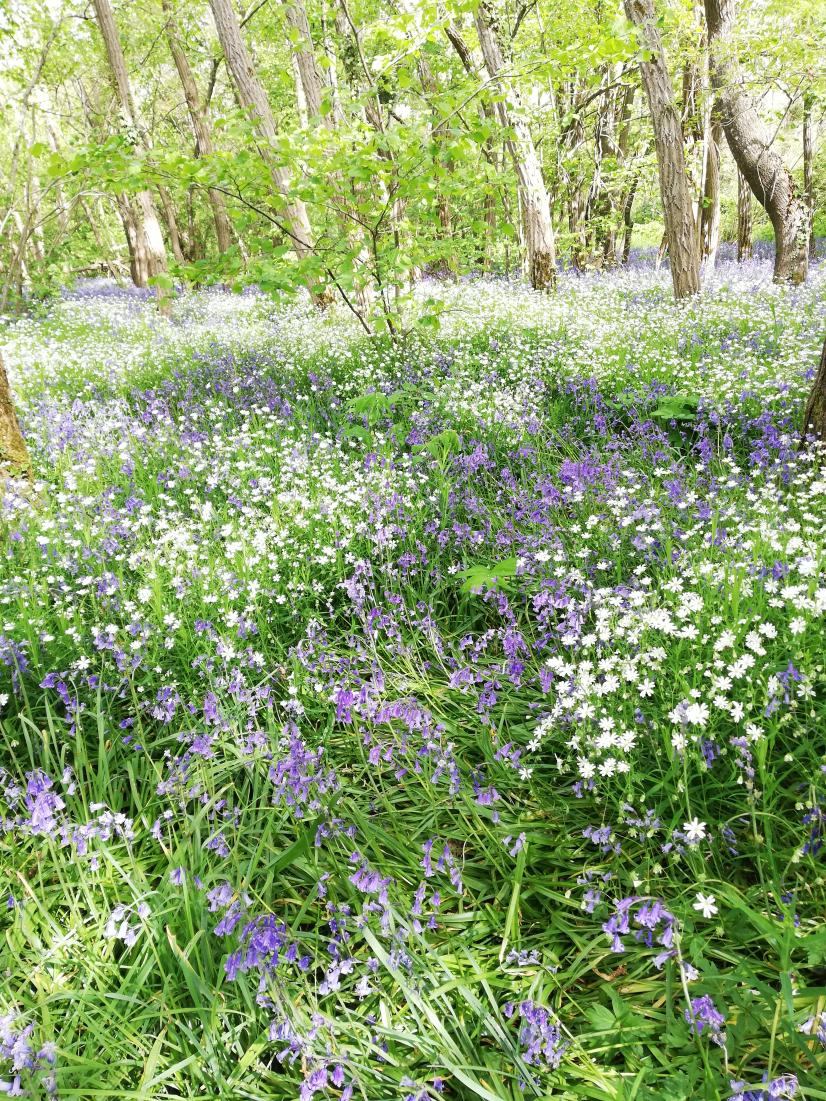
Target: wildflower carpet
<point x="434" y="720"/>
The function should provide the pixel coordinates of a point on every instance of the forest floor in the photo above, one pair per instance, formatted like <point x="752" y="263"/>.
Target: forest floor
<point x="441" y="720"/>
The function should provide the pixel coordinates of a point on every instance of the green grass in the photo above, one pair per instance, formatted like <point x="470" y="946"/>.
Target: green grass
<point x="534" y="488"/>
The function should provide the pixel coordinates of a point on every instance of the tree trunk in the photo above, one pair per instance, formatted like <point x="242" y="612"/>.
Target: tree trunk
<point x="675" y="191"/>
<point x="808" y="175"/>
<point x="62" y="205"/>
<point x="300" y="98"/>
<point x="599" y="205"/>
<point x="710" y="214"/>
<point x="330" y="55"/>
<point x="14" y="455"/>
<point x="628" y="218"/>
<point x="16" y="274"/>
<point x="773" y="185"/>
<point x="485" y="259"/>
<point x="814" y="418"/>
<point x="149" y="239"/>
<point x="103" y="247"/>
<point x="437" y="130"/>
<point x="171" y="219"/>
<point x="137" y="253"/>
<point x="253" y="98"/>
<point x="311" y="80"/>
<point x="744" y="245"/>
<point x="34" y="197"/>
<point x="200" y="124"/>
<point x="540" y="245"/>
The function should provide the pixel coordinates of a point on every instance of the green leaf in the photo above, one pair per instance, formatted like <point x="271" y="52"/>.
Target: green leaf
<point x="677" y="407"/>
<point x="441" y="446"/>
<point x="357" y="432"/>
<point x="484" y="576"/>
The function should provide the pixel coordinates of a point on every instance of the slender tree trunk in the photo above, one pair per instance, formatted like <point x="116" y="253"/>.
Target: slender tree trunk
<point x="330" y="55"/>
<point x="628" y="219"/>
<point x="431" y="87"/>
<point x="710" y="214"/>
<point x="310" y="88"/>
<point x="149" y="239"/>
<point x="675" y="190"/>
<point x="16" y="275"/>
<point x="137" y="266"/>
<point x="540" y="243"/>
<point x="490" y="228"/>
<point x="814" y="417"/>
<point x="171" y="219"/>
<point x="62" y="206"/>
<point x="300" y="98"/>
<point x="311" y="81"/>
<point x="34" y="196"/>
<point x="610" y="147"/>
<point x="253" y="98"/>
<point x="744" y="245"/>
<point x="572" y="135"/>
<point x="103" y="247"/>
<point x="485" y="260"/>
<point x="750" y="143"/>
<point x="619" y="199"/>
<point x="14" y="455"/>
<point x="808" y="161"/>
<point x="199" y="119"/>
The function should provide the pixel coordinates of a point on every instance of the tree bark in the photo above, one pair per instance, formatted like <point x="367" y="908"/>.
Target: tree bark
<point x="599" y="203"/>
<point x="149" y="247"/>
<point x="312" y="83"/>
<point x="814" y="417"/>
<point x="710" y="213"/>
<point x="628" y="218"/>
<point x="134" y="241"/>
<point x="171" y="219"/>
<point x="540" y="243"/>
<point x="199" y="119"/>
<point x="675" y="190"/>
<point x="14" y="455"/>
<point x="253" y="99"/>
<point x="744" y="245"/>
<point x="808" y="161"/>
<point x="748" y="139"/>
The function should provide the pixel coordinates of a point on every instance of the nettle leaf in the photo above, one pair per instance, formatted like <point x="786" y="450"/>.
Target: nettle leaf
<point x="483" y="576"/>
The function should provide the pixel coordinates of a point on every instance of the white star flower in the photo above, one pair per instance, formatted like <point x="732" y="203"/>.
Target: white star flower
<point x="706" y="905"/>
<point x="695" y="831"/>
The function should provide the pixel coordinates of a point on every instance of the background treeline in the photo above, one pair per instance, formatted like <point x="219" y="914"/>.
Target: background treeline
<point x="352" y="145"/>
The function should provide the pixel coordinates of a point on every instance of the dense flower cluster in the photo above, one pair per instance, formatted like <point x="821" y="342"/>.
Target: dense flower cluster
<point x="24" y="1063"/>
<point x="428" y="716"/>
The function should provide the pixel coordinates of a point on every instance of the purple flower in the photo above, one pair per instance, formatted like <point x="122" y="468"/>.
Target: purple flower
<point x="704" y="1016"/>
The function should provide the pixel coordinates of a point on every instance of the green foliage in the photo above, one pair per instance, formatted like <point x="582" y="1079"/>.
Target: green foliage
<point x="492" y="576"/>
<point x="677" y="407"/>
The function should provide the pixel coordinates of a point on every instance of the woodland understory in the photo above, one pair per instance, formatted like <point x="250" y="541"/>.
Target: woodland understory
<point x="413" y="550"/>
